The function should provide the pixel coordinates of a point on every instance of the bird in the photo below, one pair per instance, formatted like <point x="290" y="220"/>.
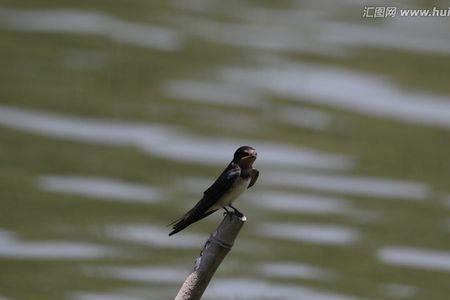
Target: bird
<point x="238" y="176"/>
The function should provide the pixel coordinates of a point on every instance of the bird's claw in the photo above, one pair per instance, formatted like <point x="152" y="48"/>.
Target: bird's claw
<point x="239" y="214"/>
<point x="234" y="212"/>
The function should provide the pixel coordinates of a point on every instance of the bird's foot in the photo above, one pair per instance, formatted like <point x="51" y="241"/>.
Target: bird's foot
<point x="226" y="212"/>
<point x="237" y="212"/>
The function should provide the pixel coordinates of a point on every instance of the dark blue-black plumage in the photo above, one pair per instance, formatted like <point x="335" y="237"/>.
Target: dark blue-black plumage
<point x="237" y="176"/>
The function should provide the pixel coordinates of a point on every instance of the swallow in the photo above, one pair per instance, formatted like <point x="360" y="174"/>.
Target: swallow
<point x="238" y="176"/>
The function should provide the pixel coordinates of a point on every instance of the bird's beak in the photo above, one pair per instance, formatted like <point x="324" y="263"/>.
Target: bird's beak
<point x="250" y="158"/>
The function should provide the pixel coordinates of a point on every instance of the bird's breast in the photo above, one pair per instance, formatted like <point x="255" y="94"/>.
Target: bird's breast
<point x="238" y="187"/>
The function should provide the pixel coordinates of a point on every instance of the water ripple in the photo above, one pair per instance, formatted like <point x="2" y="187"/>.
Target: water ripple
<point x="145" y="274"/>
<point x="101" y="188"/>
<point x="165" y="141"/>
<point x="90" y="22"/>
<point x="292" y="270"/>
<point x="213" y="93"/>
<point x="105" y="296"/>
<point x="244" y="288"/>
<point x="345" y="89"/>
<point x="301" y="203"/>
<point x="426" y="259"/>
<point x="13" y="247"/>
<point x="309" y="233"/>
<point x="154" y="236"/>
<point x="350" y="185"/>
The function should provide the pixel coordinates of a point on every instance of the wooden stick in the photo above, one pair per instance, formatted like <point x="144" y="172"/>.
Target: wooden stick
<point x="216" y="248"/>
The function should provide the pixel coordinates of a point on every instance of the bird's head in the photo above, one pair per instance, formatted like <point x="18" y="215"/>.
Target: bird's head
<point x="245" y="156"/>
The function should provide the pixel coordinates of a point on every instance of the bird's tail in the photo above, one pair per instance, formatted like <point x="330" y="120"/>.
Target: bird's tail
<point x="187" y="220"/>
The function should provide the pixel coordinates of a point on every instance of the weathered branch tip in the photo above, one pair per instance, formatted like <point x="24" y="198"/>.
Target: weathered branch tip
<point x="214" y="251"/>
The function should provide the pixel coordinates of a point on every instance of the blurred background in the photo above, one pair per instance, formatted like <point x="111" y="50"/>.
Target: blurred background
<point x="116" y="115"/>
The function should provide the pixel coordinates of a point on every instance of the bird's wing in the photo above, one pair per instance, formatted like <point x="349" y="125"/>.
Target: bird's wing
<point x="221" y="185"/>
<point x="210" y="197"/>
<point x="254" y="176"/>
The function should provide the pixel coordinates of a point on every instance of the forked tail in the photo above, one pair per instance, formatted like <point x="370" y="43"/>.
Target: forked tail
<point x="187" y="220"/>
